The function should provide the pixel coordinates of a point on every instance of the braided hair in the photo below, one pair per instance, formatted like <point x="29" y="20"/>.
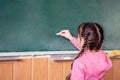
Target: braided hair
<point x="93" y="36"/>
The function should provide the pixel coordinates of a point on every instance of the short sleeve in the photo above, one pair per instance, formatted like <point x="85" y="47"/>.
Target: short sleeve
<point x="77" y="72"/>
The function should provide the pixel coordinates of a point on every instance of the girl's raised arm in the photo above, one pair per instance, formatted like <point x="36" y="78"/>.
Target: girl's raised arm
<point x="67" y="35"/>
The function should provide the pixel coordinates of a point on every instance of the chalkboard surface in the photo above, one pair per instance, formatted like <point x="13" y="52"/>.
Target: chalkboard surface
<point x="31" y="25"/>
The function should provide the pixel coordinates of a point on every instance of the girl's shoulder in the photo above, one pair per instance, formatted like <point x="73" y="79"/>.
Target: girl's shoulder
<point x="91" y="56"/>
<point x="101" y="53"/>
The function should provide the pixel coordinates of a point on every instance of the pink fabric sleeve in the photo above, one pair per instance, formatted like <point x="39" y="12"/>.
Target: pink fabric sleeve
<point x="75" y="43"/>
<point x="77" y="72"/>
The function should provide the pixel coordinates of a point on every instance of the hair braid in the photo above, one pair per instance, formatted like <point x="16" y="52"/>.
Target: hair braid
<point x="83" y="48"/>
<point x="93" y="36"/>
<point x="99" y="35"/>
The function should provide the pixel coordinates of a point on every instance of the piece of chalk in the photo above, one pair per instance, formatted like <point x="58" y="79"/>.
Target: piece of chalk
<point x="58" y="34"/>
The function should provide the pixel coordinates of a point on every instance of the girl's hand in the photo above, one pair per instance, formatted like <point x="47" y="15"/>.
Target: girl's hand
<point x="66" y="34"/>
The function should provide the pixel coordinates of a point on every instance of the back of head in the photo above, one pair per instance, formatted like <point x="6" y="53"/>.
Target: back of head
<point x="93" y="35"/>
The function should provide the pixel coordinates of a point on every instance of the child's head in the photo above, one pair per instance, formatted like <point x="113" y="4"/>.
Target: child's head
<point x="91" y="36"/>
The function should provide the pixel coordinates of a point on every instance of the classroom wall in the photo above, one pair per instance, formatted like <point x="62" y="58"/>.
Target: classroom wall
<point x="42" y="68"/>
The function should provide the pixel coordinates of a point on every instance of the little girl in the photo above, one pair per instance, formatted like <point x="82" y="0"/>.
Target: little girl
<point x="91" y="63"/>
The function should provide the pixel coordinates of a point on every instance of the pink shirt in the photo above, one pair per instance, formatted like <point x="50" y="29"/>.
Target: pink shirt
<point x="90" y="66"/>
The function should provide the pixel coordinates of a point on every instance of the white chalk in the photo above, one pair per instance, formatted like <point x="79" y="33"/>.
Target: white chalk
<point x="58" y="34"/>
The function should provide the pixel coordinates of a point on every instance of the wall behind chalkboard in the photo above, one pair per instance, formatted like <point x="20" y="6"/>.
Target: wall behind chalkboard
<point x="31" y="25"/>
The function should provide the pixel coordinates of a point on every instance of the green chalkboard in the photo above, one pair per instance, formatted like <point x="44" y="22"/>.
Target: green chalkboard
<point x="31" y="25"/>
